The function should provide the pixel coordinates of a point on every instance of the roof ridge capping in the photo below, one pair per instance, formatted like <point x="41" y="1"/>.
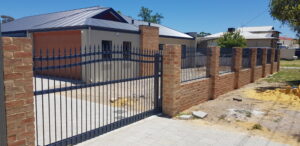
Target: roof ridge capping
<point x="88" y="9"/>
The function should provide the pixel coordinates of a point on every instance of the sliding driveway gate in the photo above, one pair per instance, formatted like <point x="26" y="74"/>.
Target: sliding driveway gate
<point x="83" y="93"/>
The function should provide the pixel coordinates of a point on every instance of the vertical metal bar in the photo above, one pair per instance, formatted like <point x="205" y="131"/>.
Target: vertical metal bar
<point x="71" y="112"/>
<point x="95" y="87"/>
<point x="66" y="93"/>
<point x="90" y="69"/>
<point x="3" y="135"/>
<point x="35" y="98"/>
<point x="60" y="102"/>
<point x="76" y="107"/>
<point x="55" y="109"/>
<point x="42" y="89"/>
<point x="156" y="81"/>
<point x="48" y="81"/>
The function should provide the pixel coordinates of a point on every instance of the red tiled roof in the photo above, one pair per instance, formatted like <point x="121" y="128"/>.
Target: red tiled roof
<point x="285" y="38"/>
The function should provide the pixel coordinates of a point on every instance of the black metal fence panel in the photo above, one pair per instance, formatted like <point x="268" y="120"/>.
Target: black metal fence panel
<point x="193" y="64"/>
<point x="82" y="93"/>
<point x="246" y="58"/>
<point x="226" y="60"/>
<point x="259" y="57"/>
<point x="269" y="55"/>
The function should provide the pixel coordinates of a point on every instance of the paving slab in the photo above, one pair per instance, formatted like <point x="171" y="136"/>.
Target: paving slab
<point x="162" y="131"/>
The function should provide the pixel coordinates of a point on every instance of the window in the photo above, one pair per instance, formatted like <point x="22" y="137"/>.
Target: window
<point x="161" y="46"/>
<point x="183" y="51"/>
<point x="126" y="50"/>
<point x="106" y="49"/>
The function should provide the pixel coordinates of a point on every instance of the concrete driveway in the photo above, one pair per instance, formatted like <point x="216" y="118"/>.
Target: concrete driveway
<point x="159" y="131"/>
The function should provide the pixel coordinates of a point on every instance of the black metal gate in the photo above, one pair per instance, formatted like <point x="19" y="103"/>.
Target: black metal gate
<point x="83" y="93"/>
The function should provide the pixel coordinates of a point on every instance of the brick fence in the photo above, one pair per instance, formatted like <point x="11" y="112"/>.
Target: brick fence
<point x="178" y="96"/>
<point x="18" y="90"/>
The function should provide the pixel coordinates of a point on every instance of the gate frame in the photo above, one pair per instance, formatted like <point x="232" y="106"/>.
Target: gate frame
<point x="3" y="135"/>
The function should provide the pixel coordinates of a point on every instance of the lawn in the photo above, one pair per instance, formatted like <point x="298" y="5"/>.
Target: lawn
<point x="290" y="63"/>
<point x="289" y="76"/>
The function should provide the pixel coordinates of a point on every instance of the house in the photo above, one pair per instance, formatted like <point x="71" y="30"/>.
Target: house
<point x="256" y="37"/>
<point x="288" y="43"/>
<point x="94" y="26"/>
<point x="288" y="47"/>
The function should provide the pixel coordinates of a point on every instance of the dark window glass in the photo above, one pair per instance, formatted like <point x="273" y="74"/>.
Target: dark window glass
<point x="107" y="49"/>
<point x="161" y="46"/>
<point x="126" y="50"/>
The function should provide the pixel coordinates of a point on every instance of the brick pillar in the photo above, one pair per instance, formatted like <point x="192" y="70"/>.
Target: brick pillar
<point x="272" y="60"/>
<point x="278" y="60"/>
<point x="237" y="65"/>
<point x="253" y="63"/>
<point x="149" y="40"/>
<point x="213" y="58"/>
<point x="264" y="61"/>
<point x="19" y="91"/>
<point x="171" y="79"/>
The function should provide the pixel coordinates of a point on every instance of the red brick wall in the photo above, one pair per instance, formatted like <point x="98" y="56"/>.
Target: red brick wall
<point x="193" y="93"/>
<point x="19" y="91"/>
<point x="225" y="83"/>
<point x="275" y="67"/>
<point x="258" y="72"/>
<point x="268" y="69"/>
<point x="245" y="77"/>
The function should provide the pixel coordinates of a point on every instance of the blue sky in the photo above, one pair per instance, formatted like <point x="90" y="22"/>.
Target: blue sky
<point x="184" y="15"/>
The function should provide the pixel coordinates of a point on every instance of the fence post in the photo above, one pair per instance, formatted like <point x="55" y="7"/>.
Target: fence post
<point x="213" y="57"/>
<point x="278" y="59"/>
<point x="253" y="63"/>
<point x="171" y="79"/>
<point x="264" y="61"/>
<point x="237" y="64"/>
<point x="18" y="85"/>
<point x="3" y="134"/>
<point x="272" y="60"/>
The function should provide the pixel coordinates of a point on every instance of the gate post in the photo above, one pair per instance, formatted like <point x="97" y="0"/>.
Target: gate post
<point x="3" y="140"/>
<point x="171" y="79"/>
<point x="18" y="89"/>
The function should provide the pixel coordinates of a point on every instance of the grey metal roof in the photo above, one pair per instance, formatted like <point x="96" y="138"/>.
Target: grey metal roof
<point x="81" y="17"/>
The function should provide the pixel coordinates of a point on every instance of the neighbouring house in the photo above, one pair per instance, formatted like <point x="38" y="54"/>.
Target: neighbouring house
<point x="256" y="37"/>
<point x="288" y="47"/>
<point x="94" y="26"/>
<point x="288" y="43"/>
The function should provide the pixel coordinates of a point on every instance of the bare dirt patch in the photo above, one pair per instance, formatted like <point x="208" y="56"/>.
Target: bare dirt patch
<point x="273" y="119"/>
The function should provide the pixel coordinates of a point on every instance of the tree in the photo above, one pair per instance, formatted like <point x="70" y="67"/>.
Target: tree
<point x="146" y="15"/>
<point x="203" y="34"/>
<point x="288" y="12"/>
<point x="231" y="39"/>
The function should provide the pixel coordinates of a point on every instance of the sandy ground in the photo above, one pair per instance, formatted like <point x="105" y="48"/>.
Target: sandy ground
<point x="279" y="122"/>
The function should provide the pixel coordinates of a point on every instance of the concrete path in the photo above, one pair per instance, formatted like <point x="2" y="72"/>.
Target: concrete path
<point x="158" y="131"/>
<point x="289" y="67"/>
